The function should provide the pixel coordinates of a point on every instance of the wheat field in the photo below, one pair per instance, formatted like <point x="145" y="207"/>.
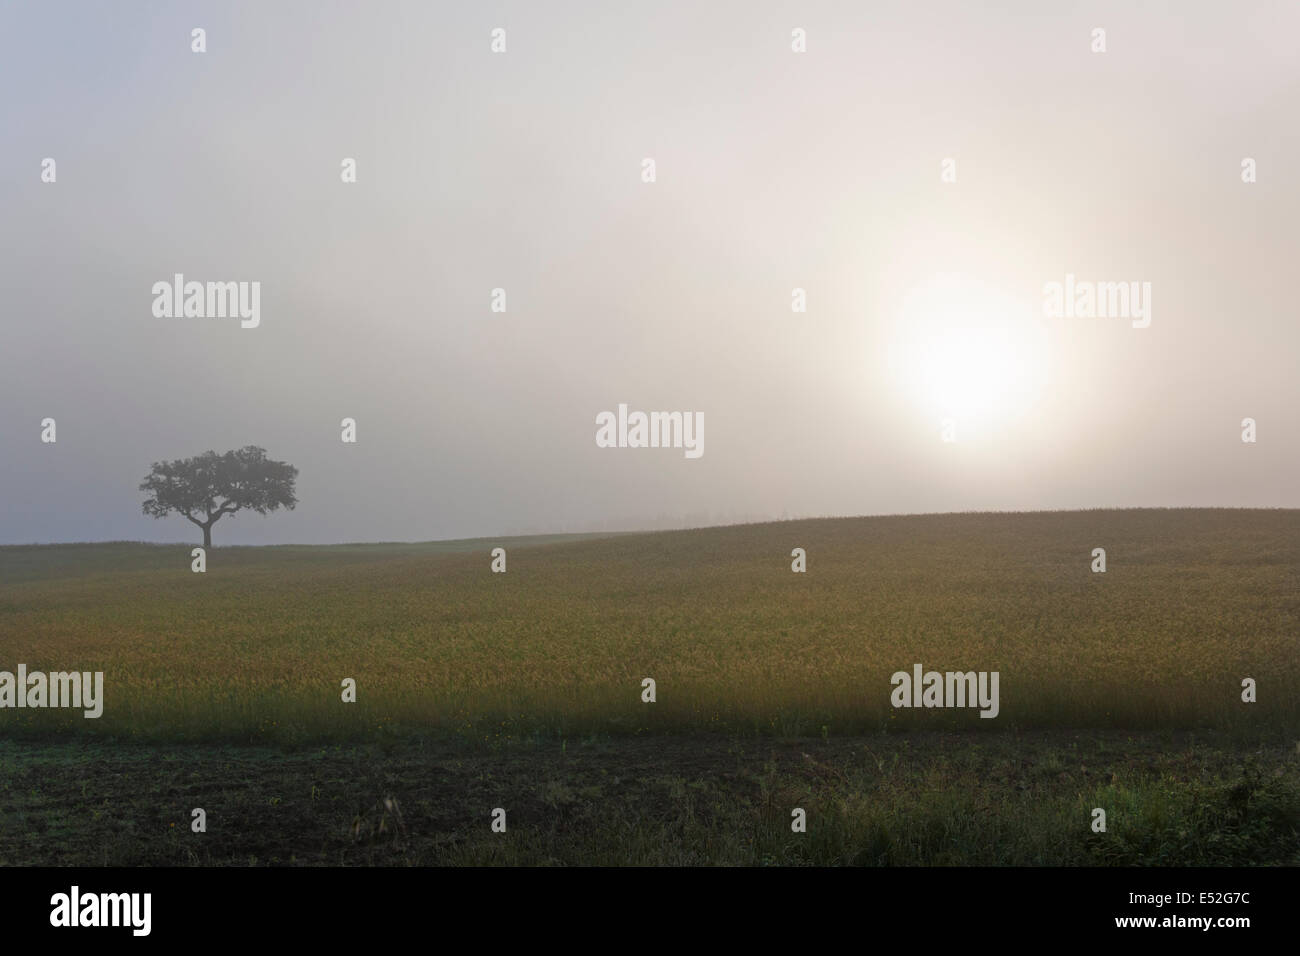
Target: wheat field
<point x="256" y="648"/>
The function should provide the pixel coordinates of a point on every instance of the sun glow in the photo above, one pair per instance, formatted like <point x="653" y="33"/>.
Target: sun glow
<point x="965" y="351"/>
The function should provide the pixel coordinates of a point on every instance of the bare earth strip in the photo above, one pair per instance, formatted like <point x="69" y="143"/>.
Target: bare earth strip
<point x="905" y="799"/>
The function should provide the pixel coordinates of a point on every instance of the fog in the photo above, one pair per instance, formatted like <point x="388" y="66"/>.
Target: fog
<point x="523" y="170"/>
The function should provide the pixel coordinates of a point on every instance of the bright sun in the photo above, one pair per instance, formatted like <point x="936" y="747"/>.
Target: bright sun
<point x="965" y="351"/>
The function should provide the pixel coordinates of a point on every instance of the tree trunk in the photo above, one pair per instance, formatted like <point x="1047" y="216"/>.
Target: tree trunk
<point x="207" y="536"/>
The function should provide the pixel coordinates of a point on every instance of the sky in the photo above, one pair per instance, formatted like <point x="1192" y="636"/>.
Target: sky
<point x="925" y="375"/>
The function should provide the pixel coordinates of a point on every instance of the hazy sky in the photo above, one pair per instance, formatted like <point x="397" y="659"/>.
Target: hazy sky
<point x="522" y="170"/>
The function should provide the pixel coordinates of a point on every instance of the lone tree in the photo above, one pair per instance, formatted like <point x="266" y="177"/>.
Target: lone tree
<point x="207" y="486"/>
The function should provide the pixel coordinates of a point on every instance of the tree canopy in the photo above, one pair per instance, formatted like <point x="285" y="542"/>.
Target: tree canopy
<point x="208" y="486"/>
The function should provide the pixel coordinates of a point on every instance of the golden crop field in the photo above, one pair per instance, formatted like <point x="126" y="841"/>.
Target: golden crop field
<point x="255" y="649"/>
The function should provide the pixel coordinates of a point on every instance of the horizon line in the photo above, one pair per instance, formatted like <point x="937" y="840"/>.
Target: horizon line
<point x="627" y="531"/>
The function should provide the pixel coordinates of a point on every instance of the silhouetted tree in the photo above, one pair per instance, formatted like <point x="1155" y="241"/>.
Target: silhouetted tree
<point x="207" y="486"/>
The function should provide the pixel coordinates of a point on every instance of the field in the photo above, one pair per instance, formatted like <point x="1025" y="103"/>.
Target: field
<point x="1120" y="690"/>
